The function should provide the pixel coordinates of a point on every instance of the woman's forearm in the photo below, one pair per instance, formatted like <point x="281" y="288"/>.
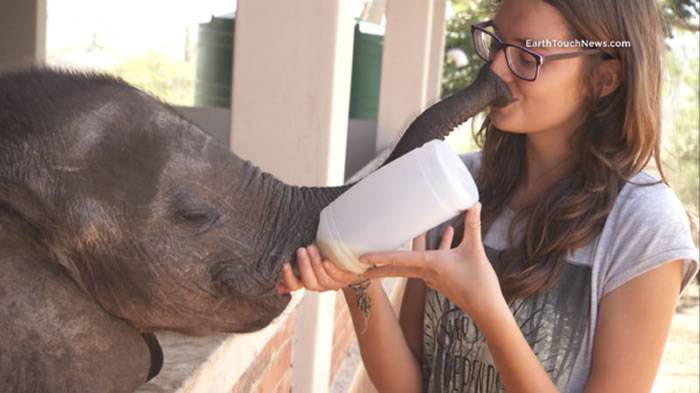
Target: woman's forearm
<point x="519" y="369"/>
<point x="386" y="355"/>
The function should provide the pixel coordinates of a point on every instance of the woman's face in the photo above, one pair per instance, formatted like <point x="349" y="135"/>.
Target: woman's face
<point x="553" y="101"/>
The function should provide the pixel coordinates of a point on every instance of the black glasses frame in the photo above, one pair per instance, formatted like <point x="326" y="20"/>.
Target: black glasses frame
<point x="539" y="58"/>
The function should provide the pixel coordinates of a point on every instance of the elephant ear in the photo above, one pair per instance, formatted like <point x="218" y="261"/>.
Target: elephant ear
<point x="53" y="337"/>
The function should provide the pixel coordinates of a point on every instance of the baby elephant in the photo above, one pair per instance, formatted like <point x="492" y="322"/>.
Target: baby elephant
<point x="119" y="217"/>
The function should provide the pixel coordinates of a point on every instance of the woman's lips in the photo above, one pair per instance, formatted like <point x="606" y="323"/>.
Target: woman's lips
<point x="506" y="105"/>
<point x="501" y="101"/>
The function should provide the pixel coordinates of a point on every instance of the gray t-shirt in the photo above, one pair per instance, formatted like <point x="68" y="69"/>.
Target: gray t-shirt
<point x="646" y="227"/>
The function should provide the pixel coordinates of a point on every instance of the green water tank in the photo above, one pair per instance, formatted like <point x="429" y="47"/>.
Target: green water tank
<point x="215" y="62"/>
<point x="366" y="71"/>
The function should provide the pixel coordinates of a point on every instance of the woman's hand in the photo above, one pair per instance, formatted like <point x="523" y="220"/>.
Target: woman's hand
<point x="462" y="274"/>
<point x="317" y="274"/>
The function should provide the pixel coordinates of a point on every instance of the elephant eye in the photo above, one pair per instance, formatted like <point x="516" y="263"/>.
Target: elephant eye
<point x="195" y="217"/>
<point x="194" y="214"/>
<point x="196" y="221"/>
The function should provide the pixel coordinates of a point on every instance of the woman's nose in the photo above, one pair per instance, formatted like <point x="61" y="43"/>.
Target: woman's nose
<point x="500" y="67"/>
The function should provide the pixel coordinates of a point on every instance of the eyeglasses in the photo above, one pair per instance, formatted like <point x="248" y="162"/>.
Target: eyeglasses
<point x="522" y="62"/>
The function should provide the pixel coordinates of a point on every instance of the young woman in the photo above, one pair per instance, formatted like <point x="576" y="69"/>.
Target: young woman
<point x="574" y="283"/>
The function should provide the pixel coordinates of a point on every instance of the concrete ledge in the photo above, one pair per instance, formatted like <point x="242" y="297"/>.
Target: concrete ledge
<point x="210" y="364"/>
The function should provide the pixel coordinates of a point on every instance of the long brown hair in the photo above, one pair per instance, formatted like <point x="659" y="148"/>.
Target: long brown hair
<point x="618" y="137"/>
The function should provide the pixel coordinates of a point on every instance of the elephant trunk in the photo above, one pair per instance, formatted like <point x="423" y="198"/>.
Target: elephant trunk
<point x="296" y="213"/>
<point x="441" y="118"/>
<point x="434" y="123"/>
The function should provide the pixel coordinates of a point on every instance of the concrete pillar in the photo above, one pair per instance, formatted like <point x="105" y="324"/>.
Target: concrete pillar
<point x="437" y="52"/>
<point x="289" y="116"/>
<point x="291" y="87"/>
<point x="374" y="11"/>
<point x="22" y="33"/>
<point x="411" y="65"/>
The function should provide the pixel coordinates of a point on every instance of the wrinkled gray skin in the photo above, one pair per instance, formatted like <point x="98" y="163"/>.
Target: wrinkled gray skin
<point x="118" y="217"/>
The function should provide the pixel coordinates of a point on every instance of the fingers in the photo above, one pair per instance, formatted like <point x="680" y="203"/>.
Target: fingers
<point x="341" y="275"/>
<point x="290" y="281"/>
<point x="398" y="258"/>
<point x="316" y="274"/>
<point x="326" y="281"/>
<point x="446" y="242"/>
<point x="308" y="276"/>
<point x="393" y="271"/>
<point x="472" y="225"/>
<point x="419" y="243"/>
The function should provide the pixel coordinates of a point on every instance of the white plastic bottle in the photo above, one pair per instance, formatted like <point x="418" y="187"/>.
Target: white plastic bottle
<point x="394" y="204"/>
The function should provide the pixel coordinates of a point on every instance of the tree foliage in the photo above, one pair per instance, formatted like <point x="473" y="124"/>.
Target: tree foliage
<point x="681" y="14"/>
<point x="458" y="36"/>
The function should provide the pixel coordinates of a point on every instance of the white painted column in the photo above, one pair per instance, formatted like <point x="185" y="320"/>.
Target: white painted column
<point x="289" y="116"/>
<point x="405" y="67"/>
<point x="414" y="45"/>
<point x="291" y="84"/>
<point x="313" y="343"/>
<point x="437" y="51"/>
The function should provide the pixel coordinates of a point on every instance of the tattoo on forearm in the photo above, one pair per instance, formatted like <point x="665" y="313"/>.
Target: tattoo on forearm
<point x="364" y="302"/>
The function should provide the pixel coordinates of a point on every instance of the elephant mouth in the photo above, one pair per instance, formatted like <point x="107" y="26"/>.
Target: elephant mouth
<point x="241" y="281"/>
<point x="259" y="323"/>
<point x="246" y="315"/>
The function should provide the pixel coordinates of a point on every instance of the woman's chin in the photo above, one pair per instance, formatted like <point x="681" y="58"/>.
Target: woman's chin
<point x="506" y="122"/>
<point x="502" y="123"/>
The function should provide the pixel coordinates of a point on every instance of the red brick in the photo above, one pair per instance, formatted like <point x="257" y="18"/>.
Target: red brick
<point x="340" y="352"/>
<point x="285" y="384"/>
<point x="278" y="367"/>
<point x="258" y="369"/>
<point x="343" y="335"/>
<point x="249" y="378"/>
<point x="277" y="339"/>
<point x="285" y="331"/>
<point x="246" y="382"/>
<point x="339" y="301"/>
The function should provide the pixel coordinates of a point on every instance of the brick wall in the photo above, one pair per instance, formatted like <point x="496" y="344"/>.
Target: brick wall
<point x="343" y="334"/>
<point x="272" y="368"/>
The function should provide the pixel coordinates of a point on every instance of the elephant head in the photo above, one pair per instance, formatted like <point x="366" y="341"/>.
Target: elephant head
<point x="163" y="227"/>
